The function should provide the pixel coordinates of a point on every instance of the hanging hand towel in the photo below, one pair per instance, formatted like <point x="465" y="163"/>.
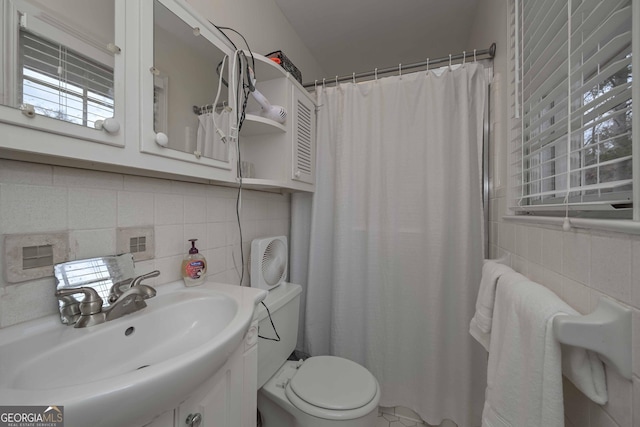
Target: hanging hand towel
<point x="584" y="369"/>
<point x="217" y="148"/>
<point x="205" y="133"/>
<point x="524" y="377"/>
<point x="480" y="326"/>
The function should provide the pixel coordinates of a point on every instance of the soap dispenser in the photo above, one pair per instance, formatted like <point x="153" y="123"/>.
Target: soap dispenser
<point x="194" y="266"/>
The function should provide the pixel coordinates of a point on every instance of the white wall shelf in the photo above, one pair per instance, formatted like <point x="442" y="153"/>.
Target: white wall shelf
<point x="258" y="125"/>
<point x="265" y="69"/>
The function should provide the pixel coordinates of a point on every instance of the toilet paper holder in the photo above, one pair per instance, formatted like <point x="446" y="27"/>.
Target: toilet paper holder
<point x="606" y="331"/>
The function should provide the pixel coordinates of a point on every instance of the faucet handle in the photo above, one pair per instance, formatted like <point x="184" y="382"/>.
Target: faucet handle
<point x="136" y="281"/>
<point x="69" y="309"/>
<point x="118" y="289"/>
<point x="91" y="304"/>
<point x="121" y="287"/>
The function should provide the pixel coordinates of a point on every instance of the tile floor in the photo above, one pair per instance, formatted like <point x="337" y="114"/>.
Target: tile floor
<point x="388" y="420"/>
<point x="403" y="417"/>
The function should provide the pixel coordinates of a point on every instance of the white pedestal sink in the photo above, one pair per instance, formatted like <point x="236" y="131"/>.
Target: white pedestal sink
<point x="124" y="371"/>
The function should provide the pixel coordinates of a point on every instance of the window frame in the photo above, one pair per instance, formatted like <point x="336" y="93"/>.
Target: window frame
<point x="518" y="162"/>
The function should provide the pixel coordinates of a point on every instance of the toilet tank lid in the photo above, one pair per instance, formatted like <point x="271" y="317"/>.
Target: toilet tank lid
<point x="277" y="297"/>
<point x="334" y="383"/>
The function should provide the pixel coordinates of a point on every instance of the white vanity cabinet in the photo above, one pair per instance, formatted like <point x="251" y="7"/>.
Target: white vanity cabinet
<point x="228" y="399"/>
<point x="281" y="155"/>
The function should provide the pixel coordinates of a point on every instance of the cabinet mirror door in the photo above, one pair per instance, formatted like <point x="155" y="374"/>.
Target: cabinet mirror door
<point x="192" y="115"/>
<point x="62" y="69"/>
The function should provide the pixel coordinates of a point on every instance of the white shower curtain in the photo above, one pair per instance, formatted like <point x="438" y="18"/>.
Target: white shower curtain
<point x="397" y="237"/>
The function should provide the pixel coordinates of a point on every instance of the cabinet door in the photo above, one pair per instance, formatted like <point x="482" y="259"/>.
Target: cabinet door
<point x="187" y="110"/>
<point x="63" y="72"/>
<point x="250" y="377"/>
<point x="304" y="138"/>
<point x="164" y="420"/>
<point x="218" y="403"/>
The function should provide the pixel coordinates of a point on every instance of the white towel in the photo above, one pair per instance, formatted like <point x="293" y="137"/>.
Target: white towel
<point x="204" y="136"/>
<point x="584" y="369"/>
<point x="480" y="326"/>
<point x="219" y="149"/>
<point x="524" y="377"/>
<point x="208" y="142"/>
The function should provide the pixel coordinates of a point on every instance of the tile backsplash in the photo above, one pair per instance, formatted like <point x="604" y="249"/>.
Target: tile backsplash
<point x="581" y="266"/>
<point x="92" y="206"/>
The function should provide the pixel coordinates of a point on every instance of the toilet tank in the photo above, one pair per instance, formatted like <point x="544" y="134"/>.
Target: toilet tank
<point x="284" y="304"/>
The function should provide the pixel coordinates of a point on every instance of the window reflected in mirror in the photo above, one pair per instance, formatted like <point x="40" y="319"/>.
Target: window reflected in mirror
<point x="64" y="84"/>
<point x="60" y="65"/>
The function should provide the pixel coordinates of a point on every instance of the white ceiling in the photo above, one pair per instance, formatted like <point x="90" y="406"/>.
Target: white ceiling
<point x="348" y="36"/>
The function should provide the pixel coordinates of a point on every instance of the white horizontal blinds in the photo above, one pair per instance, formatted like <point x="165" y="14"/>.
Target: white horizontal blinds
<point x="576" y="104"/>
<point x="601" y="102"/>
<point x="544" y="101"/>
<point x="62" y="83"/>
<point x="514" y="89"/>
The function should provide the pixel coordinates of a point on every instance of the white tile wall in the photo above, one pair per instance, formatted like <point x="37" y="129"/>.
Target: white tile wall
<point x="581" y="266"/>
<point x="91" y="205"/>
<point x="33" y="209"/>
<point x="576" y="255"/>
<point x="613" y="274"/>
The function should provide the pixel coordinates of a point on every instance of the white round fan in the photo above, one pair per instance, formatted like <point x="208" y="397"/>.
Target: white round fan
<point x="269" y="262"/>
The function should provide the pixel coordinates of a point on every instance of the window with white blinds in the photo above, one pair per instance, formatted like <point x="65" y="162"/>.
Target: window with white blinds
<point x="62" y="83"/>
<point x="572" y="89"/>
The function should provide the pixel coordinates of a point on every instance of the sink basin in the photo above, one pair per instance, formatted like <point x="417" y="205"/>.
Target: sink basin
<point x="127" y="370"/>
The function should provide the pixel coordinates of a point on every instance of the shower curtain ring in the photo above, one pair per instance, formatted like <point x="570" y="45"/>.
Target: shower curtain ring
<point x="427" y="65"/>
<point x="323" y="83"/>
<point x="464" y="56"/>
<point x="376" y="74"/>
<point x="474" y="55"/>
<point x="400" y="69"/>
<point x="449" y="61"/>
<point x="315" y="85"/>
<point x="336" y="81"/>
<point x="354" y="78"/>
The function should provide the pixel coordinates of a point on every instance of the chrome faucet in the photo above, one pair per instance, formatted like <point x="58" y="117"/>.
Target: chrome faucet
<point x="90" y="307"/>
<point x="121" y="287"/>
<point x="129" y="301"/>
<point x="124" y="302"/>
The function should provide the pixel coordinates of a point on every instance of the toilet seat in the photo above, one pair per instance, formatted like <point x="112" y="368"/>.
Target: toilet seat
<point x="331" y="387"/>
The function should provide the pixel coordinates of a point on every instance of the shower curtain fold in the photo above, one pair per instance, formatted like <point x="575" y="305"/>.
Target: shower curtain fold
<point x="396" y="242"/>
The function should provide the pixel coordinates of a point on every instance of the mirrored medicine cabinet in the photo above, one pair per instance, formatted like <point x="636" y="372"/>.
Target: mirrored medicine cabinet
<point x="61" y="69"/>
<point x="144" y="87"/>
<point x="186" y="111"/>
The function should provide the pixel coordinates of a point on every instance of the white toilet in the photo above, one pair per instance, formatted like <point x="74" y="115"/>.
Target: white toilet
<point x="322" y="391"/>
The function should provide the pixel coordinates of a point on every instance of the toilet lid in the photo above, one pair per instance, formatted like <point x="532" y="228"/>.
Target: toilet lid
<point x="331" y="382"/>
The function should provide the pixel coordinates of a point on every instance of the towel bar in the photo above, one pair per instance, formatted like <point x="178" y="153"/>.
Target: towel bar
<point x="607" y="331"/>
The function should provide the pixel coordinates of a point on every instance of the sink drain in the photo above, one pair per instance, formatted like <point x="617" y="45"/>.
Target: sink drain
<point x="129" y="331"/>
<point x="142" y="367"/>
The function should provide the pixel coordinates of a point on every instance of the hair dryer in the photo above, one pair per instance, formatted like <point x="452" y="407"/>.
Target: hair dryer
<point x="271" y="112"/>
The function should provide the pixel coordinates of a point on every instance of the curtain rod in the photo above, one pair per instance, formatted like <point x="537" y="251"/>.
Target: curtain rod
<point x="484" y="53"/>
